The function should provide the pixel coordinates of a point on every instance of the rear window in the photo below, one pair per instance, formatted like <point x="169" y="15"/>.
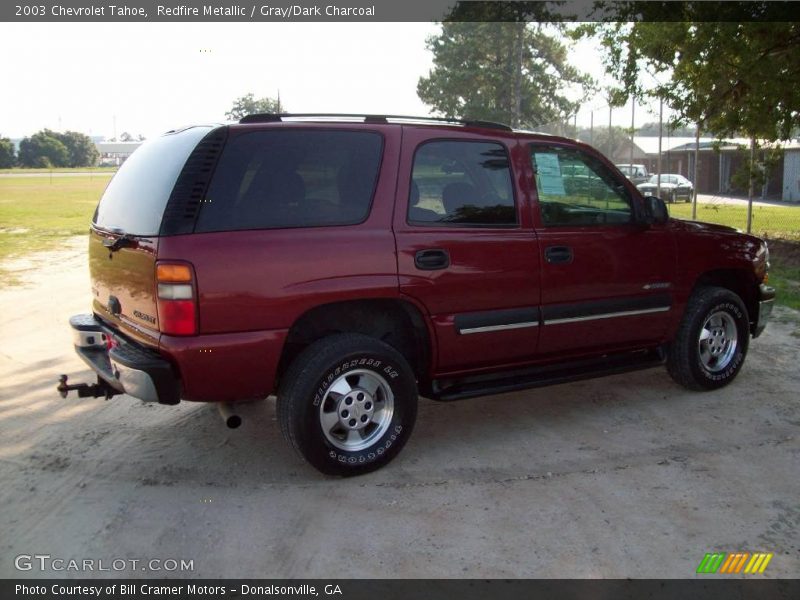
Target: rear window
<point x="292" y="178"/>
<point x="135" y="198"/>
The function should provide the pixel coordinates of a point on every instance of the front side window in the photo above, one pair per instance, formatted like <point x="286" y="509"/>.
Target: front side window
<point x="462" y="184"/>
<point x="577" y="189"/>
<point x="294" y="178"/>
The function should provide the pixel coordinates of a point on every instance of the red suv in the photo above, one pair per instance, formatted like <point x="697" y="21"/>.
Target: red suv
<point x="348" y="264"/>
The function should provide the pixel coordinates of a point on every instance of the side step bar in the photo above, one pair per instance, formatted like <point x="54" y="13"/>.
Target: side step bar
<point x="446" y="390"/>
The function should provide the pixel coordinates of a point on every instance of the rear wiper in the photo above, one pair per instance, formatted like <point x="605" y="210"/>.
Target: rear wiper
<point x="125" y="240"/>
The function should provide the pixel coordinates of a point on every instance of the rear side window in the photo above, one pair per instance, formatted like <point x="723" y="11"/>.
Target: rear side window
<point x="135" y="198"/>
<point x="461" y="183"/>
<point x="296" y="178"/>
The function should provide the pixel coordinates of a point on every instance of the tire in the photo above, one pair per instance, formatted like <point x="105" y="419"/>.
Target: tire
<point x="711" y="344"/>
<point x="347" y="404"/>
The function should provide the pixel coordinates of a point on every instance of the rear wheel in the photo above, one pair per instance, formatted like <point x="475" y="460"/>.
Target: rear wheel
<point x="711" y="344"/>
<point x="348" y="404"/>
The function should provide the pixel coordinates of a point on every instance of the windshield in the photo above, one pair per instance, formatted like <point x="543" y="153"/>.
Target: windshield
<point x="664" y="179"/>
<point x="134" y="200"/>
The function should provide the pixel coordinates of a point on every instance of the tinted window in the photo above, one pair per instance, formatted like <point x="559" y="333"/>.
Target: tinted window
<point x="135" y="198"/>
<point x="577" y="189"/>
<point x="461" y="183"/>
<point x="296" y="178"/>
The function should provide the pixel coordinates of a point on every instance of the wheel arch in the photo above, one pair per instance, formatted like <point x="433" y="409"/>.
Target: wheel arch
<point x="739" y="281"/>
<point x="394" y="321"/>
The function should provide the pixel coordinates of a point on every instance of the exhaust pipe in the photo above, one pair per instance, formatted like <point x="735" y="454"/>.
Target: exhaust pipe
<point x="226" y="411"/>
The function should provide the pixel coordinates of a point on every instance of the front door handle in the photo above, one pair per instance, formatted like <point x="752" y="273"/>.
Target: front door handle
<point x="432" y="259"/>
<point x="558" y="254"/>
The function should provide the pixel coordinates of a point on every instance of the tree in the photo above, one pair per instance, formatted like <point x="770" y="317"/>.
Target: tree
<point x="651" y="129"/>
<point x="614" y="145"/>
<point x="125" y="137"/>
<point x="43" y="150"/>
<point x="731" y="77"/>
<point x="47" y="149"/>
<point x="82" y="150"/>
<point x="250" y="105"/>
<point x="512" y="72"/>
<point x="7" y="153"/>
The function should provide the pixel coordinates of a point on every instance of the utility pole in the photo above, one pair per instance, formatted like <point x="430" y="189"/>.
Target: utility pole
<point x="633" y="126"/>
<point x="660" y="136"/>
<point x="610" y="137"/>
<point x="750" y="190"/>
<point x="591" y="128"/>
<point x="696" y="161"/>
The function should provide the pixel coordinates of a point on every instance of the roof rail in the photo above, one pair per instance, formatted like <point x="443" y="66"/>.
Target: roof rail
<point x="278" y="117"/>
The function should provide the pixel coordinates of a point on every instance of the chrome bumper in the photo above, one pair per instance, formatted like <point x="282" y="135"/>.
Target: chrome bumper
<point x="125" y="365"/>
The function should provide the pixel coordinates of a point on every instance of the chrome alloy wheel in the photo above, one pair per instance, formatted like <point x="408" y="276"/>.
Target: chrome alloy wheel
<point x="718" y="341"/>
<point x="356" y="410"/>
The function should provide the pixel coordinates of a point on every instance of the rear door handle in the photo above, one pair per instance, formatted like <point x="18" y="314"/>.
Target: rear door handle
<point x="432" y="259"/>
<point x="558" y="254"/>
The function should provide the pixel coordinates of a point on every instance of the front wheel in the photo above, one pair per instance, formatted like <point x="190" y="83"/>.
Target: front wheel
<point x="711" y="344"/>
<point x="348" y="404"/>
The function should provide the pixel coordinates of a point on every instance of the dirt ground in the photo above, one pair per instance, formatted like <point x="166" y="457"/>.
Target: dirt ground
<point x="625" y="476"/>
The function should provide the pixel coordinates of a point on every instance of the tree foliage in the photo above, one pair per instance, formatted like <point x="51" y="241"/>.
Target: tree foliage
<point x="47" y="149"/>
<point x="7" y="153"/>
<point x="650" y="129"/>
<point x="82" y="150"/>
<point x="250" y="105"/>
<point x="732" y="78"/>
<point x="614" y="143"/>
<point x="43" y="150"/>
<point x="511" y="72"/>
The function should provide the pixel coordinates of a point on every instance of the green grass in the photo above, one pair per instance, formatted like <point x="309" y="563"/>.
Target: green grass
<point x="776" y="222"/>
<point x="786" y="281"/>
<point x="784" y="272"/>
<point x="37" y="213"/>
<point x="25" y="170"/>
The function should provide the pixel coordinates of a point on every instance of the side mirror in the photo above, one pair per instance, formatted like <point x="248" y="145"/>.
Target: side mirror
<point x="655" y="210"/>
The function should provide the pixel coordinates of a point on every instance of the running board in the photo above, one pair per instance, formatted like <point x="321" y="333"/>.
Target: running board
<point x="446" y="390"/>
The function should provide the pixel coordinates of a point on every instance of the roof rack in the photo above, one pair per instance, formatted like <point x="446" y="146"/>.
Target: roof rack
<point x="278" y="117"/>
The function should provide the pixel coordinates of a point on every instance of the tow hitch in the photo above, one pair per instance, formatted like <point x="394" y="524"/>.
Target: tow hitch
<point x="96" y="390"/>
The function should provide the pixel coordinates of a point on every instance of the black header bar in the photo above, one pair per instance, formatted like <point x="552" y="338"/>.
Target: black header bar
<point x="703" y="588"/>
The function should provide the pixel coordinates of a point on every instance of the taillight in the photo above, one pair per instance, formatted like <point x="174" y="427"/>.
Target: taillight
<point x="176" y="299"/>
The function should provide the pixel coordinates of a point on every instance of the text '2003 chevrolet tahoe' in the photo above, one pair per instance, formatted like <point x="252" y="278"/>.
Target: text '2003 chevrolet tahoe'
<point x="347" y="265"/>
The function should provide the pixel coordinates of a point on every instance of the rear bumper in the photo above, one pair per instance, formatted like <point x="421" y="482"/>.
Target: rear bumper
<point x="204" y="368"/>
<point x="124" y="365"/>
<point x="766" y="300"/>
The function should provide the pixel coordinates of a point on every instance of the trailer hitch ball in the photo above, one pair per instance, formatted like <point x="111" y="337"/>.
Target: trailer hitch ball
<point x="96" y="390"/>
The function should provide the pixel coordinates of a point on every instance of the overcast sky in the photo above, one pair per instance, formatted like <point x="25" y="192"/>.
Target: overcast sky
<point x="146" y="78"/>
